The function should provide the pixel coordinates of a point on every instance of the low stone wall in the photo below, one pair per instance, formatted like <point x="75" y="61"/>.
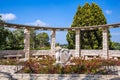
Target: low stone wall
<point x="91" y="52"/>
<point x="63" y="77"/>
<point x="7" y="72"/>
<point x="83" y="52"/>
<point x="112" y="53"/>
<point x="10" y="68"/>
<point x="40" y="52"/>
<point x="59" y="77"/>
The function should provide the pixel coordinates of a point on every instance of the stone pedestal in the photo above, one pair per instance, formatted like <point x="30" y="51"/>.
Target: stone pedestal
<point x="105" y="53"/>
<point x="27" y="43"/>
<point x="77" y="44"/>
<point x="53" y="42"/>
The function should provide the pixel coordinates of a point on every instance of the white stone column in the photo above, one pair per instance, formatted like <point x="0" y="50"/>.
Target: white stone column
<point x="27" y="43"/>
<point x="105" y="53"/>
<point x="53" y="41"/>
<point x="77" y="44"/>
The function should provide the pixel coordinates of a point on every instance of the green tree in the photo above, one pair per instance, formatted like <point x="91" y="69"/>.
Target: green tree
<point x="10" y="41"/>
<point x="88" y="15"/>
<point x="33" y="39"/>
<point x="3" y="36"/>
<point x="42" y="40"/>
<point x="115" y="46"/>
<point x="16" y="39"/>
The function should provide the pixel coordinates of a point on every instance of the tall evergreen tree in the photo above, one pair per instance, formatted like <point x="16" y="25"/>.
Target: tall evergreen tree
<point x="88" y="15"/>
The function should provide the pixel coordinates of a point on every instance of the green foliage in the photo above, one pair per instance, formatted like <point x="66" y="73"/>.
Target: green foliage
<point x="71" y="39"/>
<point x="1" y="18"/>
<point x="88" y="15"/>
<point x="42" y="39"/>
<point x="63" y="45"/>
<point x="115" y="46"/>
<point x="17" y="39"/>
<point x="10" y="39"/>
<point x="3" y="36"/>
<point x="14" y="39"/>
<point x="32" y="39"/>
<point x="39" y="41"/>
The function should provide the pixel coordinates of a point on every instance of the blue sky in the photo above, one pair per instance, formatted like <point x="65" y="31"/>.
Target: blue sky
<point x="56" y="13"/>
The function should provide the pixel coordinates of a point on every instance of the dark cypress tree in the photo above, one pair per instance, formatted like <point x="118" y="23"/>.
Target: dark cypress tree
<point x="88" y="15"/>
<point x="98" y="18"/>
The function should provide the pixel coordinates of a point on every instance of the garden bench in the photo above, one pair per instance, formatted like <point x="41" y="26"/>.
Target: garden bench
<point x="37" y="55"/>
<point x="90" y="56"/>
<point x="13" y="56"/>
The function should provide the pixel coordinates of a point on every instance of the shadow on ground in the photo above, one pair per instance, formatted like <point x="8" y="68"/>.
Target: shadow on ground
<point x="118" y="78"/>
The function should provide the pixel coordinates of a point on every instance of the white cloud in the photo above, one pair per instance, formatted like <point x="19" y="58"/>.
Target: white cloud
<point x="38" y="23"/>
<point x="108" y="12"/>
<point x="8" y="16"/>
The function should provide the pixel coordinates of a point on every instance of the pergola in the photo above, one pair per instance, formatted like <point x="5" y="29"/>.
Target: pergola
<point x="27" y="29"/>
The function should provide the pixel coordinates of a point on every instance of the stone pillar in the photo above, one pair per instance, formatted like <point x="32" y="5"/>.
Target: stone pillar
<point x="105" y="53"/>
<point x="27" y="43"/>
<point x="77" y="44"/>
<point x="53" y="41"/>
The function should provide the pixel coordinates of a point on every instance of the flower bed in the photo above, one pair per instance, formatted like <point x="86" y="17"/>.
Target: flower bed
<point x="45" y="66"/>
